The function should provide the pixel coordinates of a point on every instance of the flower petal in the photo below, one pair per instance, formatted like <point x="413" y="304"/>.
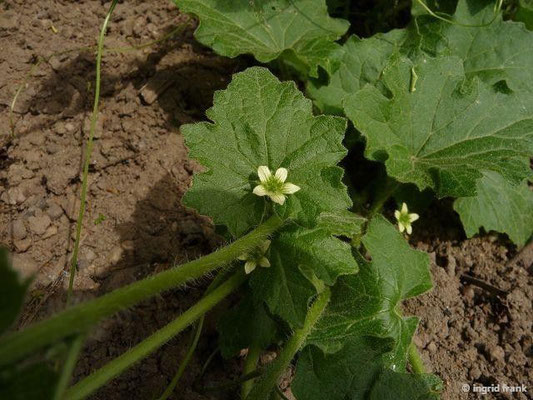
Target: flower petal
<point x="264" y="173"/>
<point x="281" y="174"/>
<point x="260" y="190"/>
<point x="290" y="188"/>
<point x="409" y="229"/>
<point x="249" y="266"/>
<point x="278" y="198"/>
<point x="263" y="262"/>
<point x="401" y="227"/>
<point x="404" y="209"/>
<point x="397" y="214"/>
<point x="413" y="217"/>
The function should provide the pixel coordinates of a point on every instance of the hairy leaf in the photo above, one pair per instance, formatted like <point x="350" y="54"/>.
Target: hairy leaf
<point x="498" y="206"/>
<point x="362" y="61"/>
<point x="443" y="131"/>
<point x="367" y="304"/>
<point x="12" y="291"/>
<point x="299" y="30"/>
<point x="341" y="223"/>
<point x="259" y="121"/>
<point x="284" y="286"/>
<point x="357" y="372"/>
<point x="243" y="325"/>
<point x="493" y="52"/>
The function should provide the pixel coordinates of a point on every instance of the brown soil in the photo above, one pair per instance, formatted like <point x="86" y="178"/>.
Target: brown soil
<point x="135" y="224"/>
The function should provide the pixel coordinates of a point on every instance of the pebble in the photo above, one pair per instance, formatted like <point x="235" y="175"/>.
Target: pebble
<point x="17" y="173"/>
<point x="22" y="245"/>
<point x="115" y="254"/>
<point x="54" y="210"/>
<point x="39" y="225"/>
<point x="50" y="231"/>
<point x="497" y="353"/>
<point x="13" y="196"/>
<point x="475" y="373"/>
<point x="18" y="230"/>
<point x="432" y="347"/>
<point x="89" y="254"/>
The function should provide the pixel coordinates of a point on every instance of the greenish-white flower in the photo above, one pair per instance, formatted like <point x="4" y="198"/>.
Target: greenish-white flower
<point x="274" y="185"/>
<point x="405" y="219"/>
<point x="256" y="257"/>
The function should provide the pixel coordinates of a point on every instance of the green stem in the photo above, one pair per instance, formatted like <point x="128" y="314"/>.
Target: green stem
<point x="250" y="364"/>
<point x="233" y="384"/>
<point x="97" y="379"/>
<point x="195" y="338"/>
<point x="280" y="394"/>
<point x="265" y="386"/>
<point x="88" y="152"/>
<point x="82" y="316"/>
<point x="415" y="360"/>
<point x="70" y="362"/>
<point x="172" y="386"/>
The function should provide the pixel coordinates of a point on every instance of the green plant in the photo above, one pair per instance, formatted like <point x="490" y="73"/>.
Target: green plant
<point x="320" y="271"/>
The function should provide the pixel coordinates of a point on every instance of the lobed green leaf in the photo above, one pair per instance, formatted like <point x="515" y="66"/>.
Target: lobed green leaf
<point x="257" y="121"/>
<point x="498" y="206"/>
<point x="443" y="133"/>
<point x="367" y="304"/>
<point x="299" y="31"/>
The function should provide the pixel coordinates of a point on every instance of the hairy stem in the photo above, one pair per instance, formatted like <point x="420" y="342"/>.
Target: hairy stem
<point x="197" y="332"/>
<point x="415" y="360"/>
<point x="88" y="152"/>
<point x="250" y="364"/>
<point x="266" y="385"/>
<point x="70" y="362"/>
<point x="97" y="379"/>
<point x="81" y="317"/>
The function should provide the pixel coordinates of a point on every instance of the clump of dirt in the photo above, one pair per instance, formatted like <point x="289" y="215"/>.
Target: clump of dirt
<point x="476" y="323"/>
<point x="135" y="224"/>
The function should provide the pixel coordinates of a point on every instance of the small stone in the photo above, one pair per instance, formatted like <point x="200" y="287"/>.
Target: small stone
<point x="469" y="292"/>
<point x="50" y="231"/>
<point x="475" y="373"/>
<point x="89" y="254"/>
<point x="128" y="245"/>
<point x="13" y="196"/>
<point x="18" y="230"/>
<point x="38" y="225"/>
<point x="32" y="156"/>
<point x="432" y="347"/>
<point x="17" y="173"/>
<point x="22" y="245"/>
<point x="52" y="148"/>
<point x="54" y="210"/>
<point x="115" y="254"/>
<point x="70" y="127"/>
<point x="497" y="354"/>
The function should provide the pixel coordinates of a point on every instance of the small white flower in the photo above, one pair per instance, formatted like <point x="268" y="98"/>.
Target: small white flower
<point x="405" y="219"/>
<point x="256" y="257"/>
<point x="274" y="186"/>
